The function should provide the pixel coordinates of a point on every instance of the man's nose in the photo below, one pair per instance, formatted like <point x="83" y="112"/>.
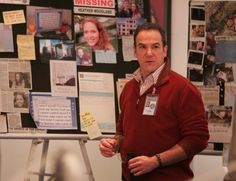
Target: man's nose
<point x="149" y="51"/>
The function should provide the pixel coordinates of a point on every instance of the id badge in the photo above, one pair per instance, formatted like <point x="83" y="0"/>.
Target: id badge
<point x="150" y="105"/>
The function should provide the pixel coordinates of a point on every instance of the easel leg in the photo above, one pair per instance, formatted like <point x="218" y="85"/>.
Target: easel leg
<point x="41" y="172"/>
<point x="86" y="159"/>
<point x="43" y="160"/>
<point x="33" y="147"/>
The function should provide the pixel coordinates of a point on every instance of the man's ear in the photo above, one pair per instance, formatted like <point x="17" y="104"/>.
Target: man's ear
<point x="165" y="49"/>
<point x="135" y="52"/>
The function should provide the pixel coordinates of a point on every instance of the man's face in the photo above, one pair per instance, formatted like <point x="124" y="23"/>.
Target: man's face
<point x="149" y="51"/>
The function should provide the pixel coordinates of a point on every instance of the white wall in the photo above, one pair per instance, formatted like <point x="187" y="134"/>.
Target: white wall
<point x="15" y="152"/>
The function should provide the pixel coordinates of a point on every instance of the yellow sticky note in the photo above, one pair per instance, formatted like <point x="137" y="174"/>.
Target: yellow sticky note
<point x="26" y="47"/>
<point x="90" y="125"/>
<point x="13" y="17"/>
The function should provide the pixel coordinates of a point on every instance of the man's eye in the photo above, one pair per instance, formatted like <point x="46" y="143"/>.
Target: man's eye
<point x="141" y="47"/>
<point x="156" y="47"/>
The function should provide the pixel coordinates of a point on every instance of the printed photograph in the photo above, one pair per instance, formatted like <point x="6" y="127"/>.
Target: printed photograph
<point x="20" y="80"/>
<point x="209" y="78"/>
<point x="224" y="73"/>
<point x="20" y="99"/>
<point x="197" y="14"/>
<point x="49" y="22"/>
<point x="195" y="58"/>
<point x="84" y="56"/>
<point x="99" y="33"/>
<point x="219" y="115"/>
<point x="221" y="17"/>
<point x="197" y="31"/>
<point x="130" y="9"/>
<point x="127" y="26"/>
<point x="197" y="45"/>
<point x="56" y="49"/>
<point x="195" y="75"/>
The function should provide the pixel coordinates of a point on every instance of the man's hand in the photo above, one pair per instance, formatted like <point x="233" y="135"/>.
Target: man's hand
<point x="142" y="164"/>
<point x="108" y="146"/>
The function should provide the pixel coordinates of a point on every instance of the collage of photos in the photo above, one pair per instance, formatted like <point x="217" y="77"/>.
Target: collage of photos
<point x="197" y="33"/>
<point x="212" y="42"/>
<point x="212" y="60"/>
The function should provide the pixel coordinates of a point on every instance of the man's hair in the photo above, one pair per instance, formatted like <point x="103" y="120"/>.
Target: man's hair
<point x="150" y="27"/>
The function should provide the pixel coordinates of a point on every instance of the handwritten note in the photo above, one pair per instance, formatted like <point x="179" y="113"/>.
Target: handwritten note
<point x="26" y="47"/>
<point x="90" y="125"/>
<point x="13" y="17"/>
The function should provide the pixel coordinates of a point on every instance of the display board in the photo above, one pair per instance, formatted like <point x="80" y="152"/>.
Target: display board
<point x="211" y="64"/>
<point x="59" y="34"/>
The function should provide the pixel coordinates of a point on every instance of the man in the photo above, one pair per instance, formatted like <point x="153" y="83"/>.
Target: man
<point x="162" y="124"/>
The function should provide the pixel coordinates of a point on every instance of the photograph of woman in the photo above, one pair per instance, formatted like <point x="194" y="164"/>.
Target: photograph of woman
<point x="136" y="13"/>
<point x="83" y="56"/>
<point x="20" y="100"/>
<point x="17" y="80"/>
<point x="99" y="33"/>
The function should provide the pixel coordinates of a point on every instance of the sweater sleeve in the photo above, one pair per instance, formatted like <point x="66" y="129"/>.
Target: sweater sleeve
<point x="119" y="136"/>
<point x="193" y="123"/>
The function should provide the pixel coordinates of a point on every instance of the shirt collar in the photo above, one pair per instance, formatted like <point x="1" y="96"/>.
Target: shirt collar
<point x="154" y="76"/>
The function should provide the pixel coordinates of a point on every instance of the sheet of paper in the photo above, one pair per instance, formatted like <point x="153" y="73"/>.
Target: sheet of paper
<point x="14" y="121"/>
<point x="103" y="56"/>
<point x="94" y="11"/>
<point x="15" y="74"/>
<point x="210" y="95"/>
<point x="14" y="101"/>
<point x="3" y="124"/>
<point x="13" y="17"/>
<point x="225" y="49"/>
<point x="15" y="126"/>
<point x="50" y="112"/>
<point x="90" y="125"/>
<point x="128" y="48"/>
<point x="15" y="1"/>
<point x="26" y="47"/>
<point x="6" y="40"/>
<point x="96" y="95"/>
<point x="220" y="121"/>
<point x="63" y="76"/>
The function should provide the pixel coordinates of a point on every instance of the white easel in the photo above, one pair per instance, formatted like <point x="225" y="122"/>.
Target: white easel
<point x="44" y="139"/>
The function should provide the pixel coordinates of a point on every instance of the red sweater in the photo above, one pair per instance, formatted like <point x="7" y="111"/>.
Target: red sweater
<point x="180" y="118"/>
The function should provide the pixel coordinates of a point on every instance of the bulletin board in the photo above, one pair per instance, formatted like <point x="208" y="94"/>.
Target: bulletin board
<point x="40" y="67"/>
<point x="211" y="64"/>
